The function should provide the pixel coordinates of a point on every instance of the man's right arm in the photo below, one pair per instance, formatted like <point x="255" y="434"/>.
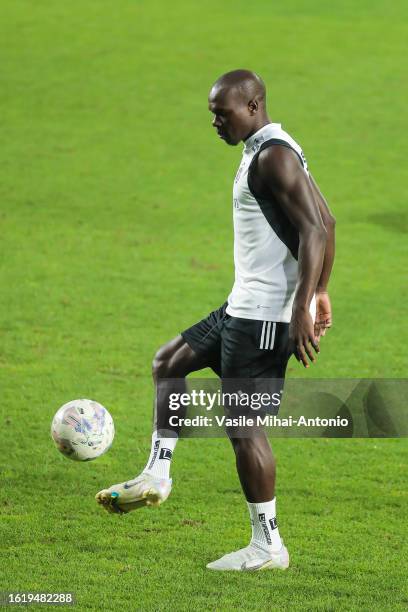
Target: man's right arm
<point x="323" y="305"/>
<point x="329" y="223"/>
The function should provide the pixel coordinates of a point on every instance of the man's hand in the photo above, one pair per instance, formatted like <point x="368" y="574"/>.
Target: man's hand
<point x="301" y="331"/>
<point x="323" y="314"/>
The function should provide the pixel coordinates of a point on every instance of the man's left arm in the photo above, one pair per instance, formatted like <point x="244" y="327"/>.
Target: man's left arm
<point x="284" y="178"/>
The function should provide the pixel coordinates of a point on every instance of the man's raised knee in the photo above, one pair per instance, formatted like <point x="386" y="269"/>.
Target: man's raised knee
<point x="161" y="366"/>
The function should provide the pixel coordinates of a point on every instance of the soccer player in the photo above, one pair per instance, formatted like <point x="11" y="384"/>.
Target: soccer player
<point x="278" y="306"/>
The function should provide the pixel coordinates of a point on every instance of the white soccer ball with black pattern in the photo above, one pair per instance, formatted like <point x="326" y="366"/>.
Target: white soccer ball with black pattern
<point x="82" y="430"/>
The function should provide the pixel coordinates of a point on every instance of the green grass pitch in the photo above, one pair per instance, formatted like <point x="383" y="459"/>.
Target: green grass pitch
<point x="115" y="221"/>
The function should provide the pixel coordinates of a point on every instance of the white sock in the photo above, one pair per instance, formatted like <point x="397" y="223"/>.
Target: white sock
<point x="265" y="532"/>
<point x="161" y="454"/>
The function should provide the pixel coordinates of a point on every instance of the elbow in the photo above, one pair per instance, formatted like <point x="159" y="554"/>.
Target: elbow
<point x="330" y="222"/>
<point x="320" y="233"/>
<point x="324" y="235"/>
<point x="314" y="235"/>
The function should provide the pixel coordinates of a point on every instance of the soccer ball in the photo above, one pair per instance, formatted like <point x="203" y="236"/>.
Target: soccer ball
<point x="82" y="430"/>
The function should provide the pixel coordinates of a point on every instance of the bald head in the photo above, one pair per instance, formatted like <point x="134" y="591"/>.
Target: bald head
<point x="244" y="84"/>
<point x="238" y="101"/>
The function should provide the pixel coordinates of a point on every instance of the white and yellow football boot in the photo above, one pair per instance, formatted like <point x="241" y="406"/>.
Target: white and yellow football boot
<point x="251" y="559"/>
<point x="144" y="490"/>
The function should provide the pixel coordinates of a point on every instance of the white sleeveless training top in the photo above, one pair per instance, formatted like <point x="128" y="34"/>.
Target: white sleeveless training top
<point x="265" y="241"/>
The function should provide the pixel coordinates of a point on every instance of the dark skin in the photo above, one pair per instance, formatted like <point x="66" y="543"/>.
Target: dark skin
<point x="280" y="176"/>
<point x="237" y="101"/>
<point x="323" y="307"/>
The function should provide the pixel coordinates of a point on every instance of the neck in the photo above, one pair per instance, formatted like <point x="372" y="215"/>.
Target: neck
<point x="260" y="123"/>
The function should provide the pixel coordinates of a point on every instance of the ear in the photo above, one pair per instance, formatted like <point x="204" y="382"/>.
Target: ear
<point x="253" y="106"/>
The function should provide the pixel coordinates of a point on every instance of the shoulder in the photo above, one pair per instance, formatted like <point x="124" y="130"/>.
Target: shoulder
<point x="278" y="163"/>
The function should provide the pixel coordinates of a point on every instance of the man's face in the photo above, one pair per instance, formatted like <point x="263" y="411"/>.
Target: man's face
<point x="232" y="116"/>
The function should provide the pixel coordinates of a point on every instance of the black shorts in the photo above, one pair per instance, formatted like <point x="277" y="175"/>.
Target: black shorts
<point x="241" y="348"/>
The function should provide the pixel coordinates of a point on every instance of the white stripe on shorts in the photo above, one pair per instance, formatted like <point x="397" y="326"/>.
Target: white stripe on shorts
<point x="262" y="335"/>
<point x="268" y="331"/>
<point x="272" y="342"/>
<point x="268" y="338"/>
